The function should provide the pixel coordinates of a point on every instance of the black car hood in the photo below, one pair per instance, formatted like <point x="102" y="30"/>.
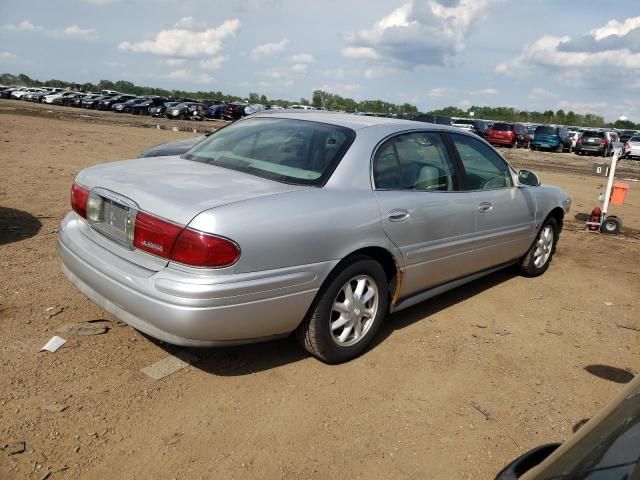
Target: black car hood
<point x="174" y="148"/>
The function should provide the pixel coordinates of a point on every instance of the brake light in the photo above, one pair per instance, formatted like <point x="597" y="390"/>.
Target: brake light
<point x="603" y="141"/>
<point x="79" y="197"/>
<point x="183" y="245"/>
<point x="155" y="235"/>
<point x="203" y="250"/>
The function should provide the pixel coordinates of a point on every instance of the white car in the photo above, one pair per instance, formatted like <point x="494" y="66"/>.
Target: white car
<point x="574" y="135"/>
<point x="21" y="93"/>
<point x="632" y="147"/>
<point x="53" y="96"/>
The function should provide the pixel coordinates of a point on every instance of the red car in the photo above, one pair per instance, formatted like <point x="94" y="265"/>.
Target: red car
<point x="508" y="134"/>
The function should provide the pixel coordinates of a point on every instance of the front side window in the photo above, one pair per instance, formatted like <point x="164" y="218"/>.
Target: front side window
<point x="484" y="168"/>
<point x="291" y="151"/>
<point x="414" y="161"/>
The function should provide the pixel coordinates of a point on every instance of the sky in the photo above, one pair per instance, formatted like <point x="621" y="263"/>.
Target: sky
<point x="527" y="54"/>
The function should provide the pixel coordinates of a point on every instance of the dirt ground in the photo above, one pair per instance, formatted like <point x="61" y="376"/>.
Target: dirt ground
<point x="539" y="354"/>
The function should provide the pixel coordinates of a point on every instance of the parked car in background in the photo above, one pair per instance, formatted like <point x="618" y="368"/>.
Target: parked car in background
<point x="220" y="246"/>
<point x="6" y="92"/>
<point x="68" y="100"/>
<point x="479" y="127"/>
<point x="125" y="107"/>
<point x="186" y="111"/>
<point x="143" y="108"/>
<point x="172" y="148"/>
<point x="626" y="134"/>
<point x="632" y="147"/>
<point x="508" y="134"/>
<point x="575" y="136"/>
<point x="551" y="137"/>
<point x="215" y="110"/>
<point x="18" y="94"/>
<point x="93" y="100"/>
<point x="607" y="447"/>
<point x="108" y="102"/>
<point x="593" y="142"/>
<point x="35" y="96"/>
<point x="159" y="110"/>
<point x="51" y="97"/>
<point x="233" y="111"/>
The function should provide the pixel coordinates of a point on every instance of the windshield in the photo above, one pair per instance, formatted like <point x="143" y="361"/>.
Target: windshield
<point x="291" y="151"/>
<point x="502" y="127"/>
<point x="547" y="130"/>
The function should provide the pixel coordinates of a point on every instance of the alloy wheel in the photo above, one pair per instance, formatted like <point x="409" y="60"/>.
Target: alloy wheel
<point x="354" y="310"/>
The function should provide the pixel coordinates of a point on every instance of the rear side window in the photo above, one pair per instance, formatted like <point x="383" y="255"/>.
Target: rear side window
<point x="484" y="168"/>
<point x="414" y="161"/>
<point x="547" y="130"/>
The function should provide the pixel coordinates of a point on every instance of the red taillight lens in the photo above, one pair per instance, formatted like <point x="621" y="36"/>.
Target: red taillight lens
<point x="603" y="141"/>
<point x="203" y="250"/>
<point x="155" y="235"/>
<point x="183" y="245"/>
<point x="79" y="196"/>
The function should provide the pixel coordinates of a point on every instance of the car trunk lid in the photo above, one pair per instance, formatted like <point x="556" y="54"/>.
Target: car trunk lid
<point x="172" y="189"/>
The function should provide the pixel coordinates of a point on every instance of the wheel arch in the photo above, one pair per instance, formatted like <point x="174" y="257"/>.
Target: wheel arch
<point x="558" y="214"/>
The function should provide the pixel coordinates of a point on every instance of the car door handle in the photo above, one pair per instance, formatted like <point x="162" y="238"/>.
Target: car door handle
<point x="485" y="207"/>
<point x="399" y="215"/>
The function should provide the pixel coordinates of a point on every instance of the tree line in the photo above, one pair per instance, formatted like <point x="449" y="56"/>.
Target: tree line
<point x="331" y="101"/>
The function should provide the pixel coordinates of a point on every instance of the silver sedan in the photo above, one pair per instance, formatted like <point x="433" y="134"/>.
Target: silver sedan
<point x="308" y="222"/>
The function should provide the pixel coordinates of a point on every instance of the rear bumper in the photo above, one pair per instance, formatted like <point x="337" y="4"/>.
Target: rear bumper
<point x="189" y="309"/>
<point x="500" y="141"/>
<point x="591" y="148"/>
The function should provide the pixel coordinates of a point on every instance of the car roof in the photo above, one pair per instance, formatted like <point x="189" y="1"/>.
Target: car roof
<point x="347" y="120"/>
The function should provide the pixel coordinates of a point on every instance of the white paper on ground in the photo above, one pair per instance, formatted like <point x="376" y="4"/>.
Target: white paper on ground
<point x="54" y="344"/>
<point x="169" y="365"/>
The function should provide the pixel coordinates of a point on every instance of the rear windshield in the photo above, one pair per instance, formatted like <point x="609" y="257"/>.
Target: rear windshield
<point x="548" y="130"/>
<point x="462" y="121"/>
<point x="291" y="151"/>
<point x="634" y="139"/>
<point x="593" y="134"/>
<point x="502" y="127"/>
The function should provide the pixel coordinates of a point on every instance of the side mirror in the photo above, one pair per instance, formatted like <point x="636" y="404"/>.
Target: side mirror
<point x="526" y="177"/>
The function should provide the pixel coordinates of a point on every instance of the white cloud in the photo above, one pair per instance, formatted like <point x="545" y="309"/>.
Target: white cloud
<point x="300" y="68"/>
<point x="343" y="89"/>
<point x="288" y="83"/>
<point x="179" y="42"/>
<point x="360" y="53"/>
<point x="190" y="23"/>
<point x="613" y="27"/>
<point x="438" y="92"/>
<point x="302" y="58"/>
<point x="187" y="75"/>
<point x="377" y="71"/>
<point x="174" y="62"/>
<point x="606" y="56"/>
<point x="74" y="31"/>
<point x="102" y="2"/>
<point x="268" y="49"/>
<point x="23" y="26"/>
<point x="540" y="93"/>
<point x="7" y="56"/>
<point x="483" y="91"/>
<point x="180" y="74"/>
<point x="464" y="104"/>
<point x="213" y="63"/>
<point x="418" y="33"/>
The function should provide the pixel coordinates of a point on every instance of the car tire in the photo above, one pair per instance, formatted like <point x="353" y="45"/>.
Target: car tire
<point x="536" y="261"/>
<point x="560" y="148"/>
<point x="515" y="144"/>
<point x="611" y="225"/>
<point x="322" y="330"/>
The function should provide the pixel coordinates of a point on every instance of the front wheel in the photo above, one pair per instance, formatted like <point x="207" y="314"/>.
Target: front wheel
<point x="536" y="261"/>
<point x="611" y="225"/>
<point x="347" y="312"/>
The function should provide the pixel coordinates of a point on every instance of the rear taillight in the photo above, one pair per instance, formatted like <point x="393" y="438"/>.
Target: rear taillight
<point x="183" y="245"/>
<point x="603" y="141"/>
<point x="203" y="250"/>
<point x="155" y="235"/>
<point x="79" y="196"/>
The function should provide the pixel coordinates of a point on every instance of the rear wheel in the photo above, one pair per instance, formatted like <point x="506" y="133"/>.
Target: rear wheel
<point x="536" y="261"/>
<point x="347" y="312"/>
<point x="560" y="148"/>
